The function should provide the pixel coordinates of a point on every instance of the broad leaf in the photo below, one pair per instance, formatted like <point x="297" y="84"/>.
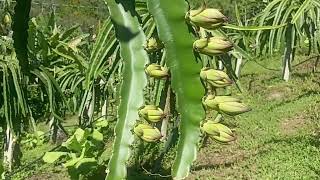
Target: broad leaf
<point x="96" y="135"/>
<point x="51" y="157"/>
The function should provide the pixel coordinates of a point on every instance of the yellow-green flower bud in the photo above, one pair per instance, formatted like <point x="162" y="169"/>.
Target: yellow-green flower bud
<point x="213" y="46"/>
<point x="213" y="128"/>
<point x="216" y="78"/>
<point x="206" y="18"/>
<point x="151" y="135"/>
<point x="213" y="102"/>
<point x="147" y="133"/>
<point x="224" y="138"/>
<point x="151" y="113"/>
<point x="233" y="108"/>
<point x="138" y="130"/>
<point x="7" y="19"/>
<point x="153" y="45"/>
<point x="157" y="71"/>
<point x="218" y="131"/>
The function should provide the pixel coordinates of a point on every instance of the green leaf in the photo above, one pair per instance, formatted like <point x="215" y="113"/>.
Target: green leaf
<point x="251" y="28"/>
<point x="72" y="144"/>
<point x="96" y="135"/>
<point x="71" y="163"/>
<point x="101" y="123"/>
<point x="262" y="18"/>
<point x="281" y="8"/>
<point x="67" y="34"/>
<point x="51" y="157"/>
<point x="173" y="31"/>
<point x="81" y="135"/>
<point x="306" y="5"/>
<point x="1" y="171"/>
<point x="85" y="165"/>
<point x="17" y="85"/>
<point x="131" y="39"/>
<point x="102" y="47"/>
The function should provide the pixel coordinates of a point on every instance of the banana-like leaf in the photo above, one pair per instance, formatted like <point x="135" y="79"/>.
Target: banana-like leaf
<point x="104" y="44"/>
<point x="51" y="157"/>
<point x="131" y="39"/>
<point x="53" y="90"/>
<point x="263" y="18"/>
<point x="279" y="12"/>
<point x="305" y="5"/>
<point x="301" y="18"/>
<point x="251" y="28"/>
<point x="173" y="31"/>
<point x="14" y="102"/>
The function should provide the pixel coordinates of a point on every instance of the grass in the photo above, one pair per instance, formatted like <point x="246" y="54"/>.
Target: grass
<point x="279" y="139"/>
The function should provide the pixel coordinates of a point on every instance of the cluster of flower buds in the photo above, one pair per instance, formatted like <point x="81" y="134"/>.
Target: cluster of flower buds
<point x="157" y="71"/>
<point x="218" y="131"/>
<point x="210" y="19"/>
<point x="151" y="113"/>
<point x="213" y="46"/>
<point x="226" y="105"/>
<point x="215" y="78"/>
<point x="206" y="18"/>
<point x="147" y="133"/>
<point x="153" y="45"/>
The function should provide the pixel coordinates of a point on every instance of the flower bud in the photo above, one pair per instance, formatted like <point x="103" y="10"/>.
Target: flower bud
<point x="151" y="113"/>
<point x="233" y="108"/>
<point x="147" y="133"/>
<point x="224" y="138"/>
<point x="7" y="19"/>
<point x="213" y="128"/>
<point x="153" y="45"/>
<point x="206" y="18"/>
<point x="216" y="78"/>
<point x="218" y="131"/>
<point x="213" y="46"/>
<point x="157" y="71"/>
<point x="138" y="130"/>
<point x="151" y="135"/>
<point x="213" y="102"/>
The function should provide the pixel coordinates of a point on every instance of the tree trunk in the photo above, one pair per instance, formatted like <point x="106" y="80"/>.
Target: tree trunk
<point x="104" y="109"/>
<point x="91" y="109"/>
<point x="289" y="52"/>
<point x="12" y="151"/>
<point x="286" y="65"/>
<point x="238" y="66"/>
<point x="220" y="65"/>
<point x="53" y="130"/>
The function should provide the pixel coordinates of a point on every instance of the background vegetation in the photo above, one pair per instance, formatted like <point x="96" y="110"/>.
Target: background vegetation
<point x="66" y="101"/>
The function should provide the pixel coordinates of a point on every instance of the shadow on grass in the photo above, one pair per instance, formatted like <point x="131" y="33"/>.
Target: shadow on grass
<point x="305" y="140"/>
<point x="254" y="79"/>
<point x="316" y="171"/>
<point x="263" y="149"/>
<point x="307" y="94"/>
<point x="237" y="159"/>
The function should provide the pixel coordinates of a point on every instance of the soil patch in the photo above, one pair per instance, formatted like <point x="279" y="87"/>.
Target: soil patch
<point x="49" y="176"/>
<point x="210" y="159"/>
<point x="275" y="93"/>
<point x="292" y="125"/>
